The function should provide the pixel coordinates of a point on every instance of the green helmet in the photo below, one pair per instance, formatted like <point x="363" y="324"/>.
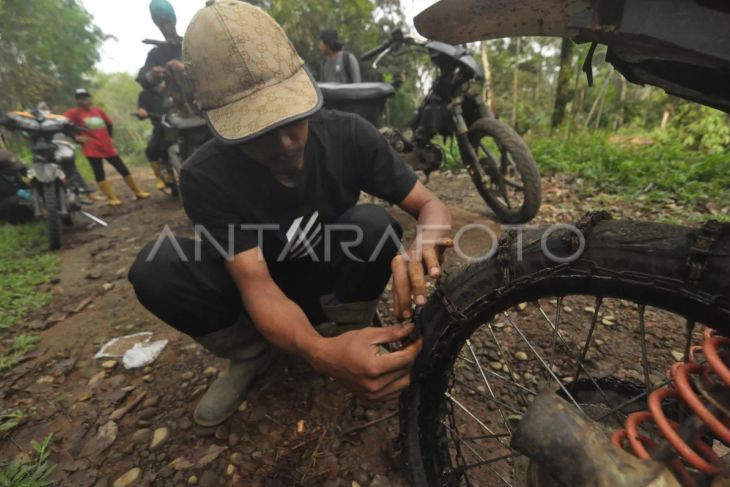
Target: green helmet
<point x="162" y="10"/>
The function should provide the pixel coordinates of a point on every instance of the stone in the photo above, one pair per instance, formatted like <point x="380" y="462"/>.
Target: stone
<point x="185" y="424"/>
<point x="147" y="370"/>
<point x="128" y="479"/>
<point x="380" y="481"/>
<point x="522" y="306"/>
<point x="236" y="458"/>
<point x="208" y="479"/>
<point x="109" y="364"/>
<point x="187" y="375"/>
<point x="148" y="413"/>
<point x="589" y="309"/>
<point x="210" y="372"/>
<point x="148" y="378"/>
<point x="495" y="365"/>
<point x="371" y="414"/>
<point x="96" y="379"/>
<point x="678" y="356"/>
<point x="609" y="320"/>
<point x="243" y="407"/>
<point x="230" y="470"/>
<point x="150" y="402"/>
<point x="521" y="356"/>
<point x="221" y="433"/>
<point x="142" y="436"/>
<point x="193" y="480"/>
<point x="234" y="439"/>
<point x="108" y="286"/>
<point x="158" y="437"/>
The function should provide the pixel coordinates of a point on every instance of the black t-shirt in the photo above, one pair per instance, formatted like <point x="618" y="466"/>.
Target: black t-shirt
<point x="158" y="56"/>
<point x="223" y="189"/>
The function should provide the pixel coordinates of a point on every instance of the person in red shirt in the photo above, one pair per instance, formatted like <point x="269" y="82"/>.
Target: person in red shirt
<point x="97" y="145"/>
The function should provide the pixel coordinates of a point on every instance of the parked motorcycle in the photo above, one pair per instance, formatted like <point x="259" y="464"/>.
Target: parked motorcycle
<point x="54" y="194"/>
<point x="497" y="159"/>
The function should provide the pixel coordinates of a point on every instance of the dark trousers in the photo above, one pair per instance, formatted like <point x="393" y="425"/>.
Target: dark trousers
<point x="15" y="210"/>
<point x="157" y="146"/>
<point x="97" y="165"/>
<point x="200" y="297"/>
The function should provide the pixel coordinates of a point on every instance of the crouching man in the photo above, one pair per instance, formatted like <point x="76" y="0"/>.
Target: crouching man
<point x="285" y="247"/>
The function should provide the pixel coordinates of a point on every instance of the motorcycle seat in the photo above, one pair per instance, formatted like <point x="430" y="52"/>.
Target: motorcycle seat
<point x="337" y="92"/>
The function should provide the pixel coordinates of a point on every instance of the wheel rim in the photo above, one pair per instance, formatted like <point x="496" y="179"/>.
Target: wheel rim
<point x="544" y="347"/>
<point x="499" y="175"/>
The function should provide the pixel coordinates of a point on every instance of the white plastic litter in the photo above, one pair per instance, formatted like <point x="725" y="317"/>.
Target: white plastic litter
<point x="117" y="347"/>
<point x="142" y="354"/>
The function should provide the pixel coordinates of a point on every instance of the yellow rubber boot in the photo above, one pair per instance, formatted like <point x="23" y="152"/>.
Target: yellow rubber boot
<point x="159" y="180"/>
<point x="135" y="188"/>
<point x="111" y="197"/>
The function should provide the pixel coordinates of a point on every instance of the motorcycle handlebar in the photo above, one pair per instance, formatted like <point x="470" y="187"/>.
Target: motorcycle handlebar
<point x="374" y="52"/>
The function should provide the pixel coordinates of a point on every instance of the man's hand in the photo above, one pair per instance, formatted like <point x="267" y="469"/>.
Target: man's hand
<point x="142" y="113"/>
<point x="410" y="271"/>
<point x="355" y="359"/>
<point x="175" y="65"/>
<point x="82" y="139"/>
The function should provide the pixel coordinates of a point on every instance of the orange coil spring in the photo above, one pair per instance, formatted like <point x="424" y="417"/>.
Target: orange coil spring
<point x="700" y="455"/>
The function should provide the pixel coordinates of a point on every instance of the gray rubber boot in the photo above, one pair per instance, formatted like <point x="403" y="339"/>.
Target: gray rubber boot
<point x="249" y="356"/>
<point x="344" y="317"/>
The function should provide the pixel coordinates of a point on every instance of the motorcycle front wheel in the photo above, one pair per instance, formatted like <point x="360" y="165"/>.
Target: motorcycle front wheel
<point x="600" y="331"/>
<point x="505" y="174"/>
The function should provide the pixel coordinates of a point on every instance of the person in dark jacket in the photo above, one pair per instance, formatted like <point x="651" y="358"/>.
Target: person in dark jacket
<point x="16" y="206"/>
<point x="166" y="56"/>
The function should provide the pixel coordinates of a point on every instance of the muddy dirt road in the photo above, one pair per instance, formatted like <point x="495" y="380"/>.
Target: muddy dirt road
<point x="116" y="427"/>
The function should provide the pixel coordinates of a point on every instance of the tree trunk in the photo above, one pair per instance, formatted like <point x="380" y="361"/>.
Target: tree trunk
<point x="621" y="118"/>
<point x="488" y="85"/>
<point x="667" y="116"/>
<point x="516" y="83"/>
<point x="562" y="92"/>
<point x="599" y="99"/>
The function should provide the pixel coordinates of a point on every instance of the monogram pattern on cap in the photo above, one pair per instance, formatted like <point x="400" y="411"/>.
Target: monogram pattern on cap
<point x="243" y="69"/>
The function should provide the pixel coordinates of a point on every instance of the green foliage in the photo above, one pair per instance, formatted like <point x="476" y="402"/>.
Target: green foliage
<point x="47" y="47"/>
<point x="619" y="165"/>
<point x="21" y="346"/>
<point x="10" y="419"/>
<point x="26" y="264"/>
<point x="117" y="94"/>
<point x="699" y="128"/>
<point x="37" y="473"/>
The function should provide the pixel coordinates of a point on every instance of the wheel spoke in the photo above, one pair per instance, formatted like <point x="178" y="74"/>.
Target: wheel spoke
<point x="489" y="386"/>
<point x="542" y="361"/>
<point x="487" y="462"/>
<point x="475" y="453"/>
<point x="503" y="356"/>
<point x="589" y="338"/>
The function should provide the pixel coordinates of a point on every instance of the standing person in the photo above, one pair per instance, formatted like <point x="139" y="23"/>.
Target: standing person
<point x="162" y="57"/>
<point x="277" y="193"/>
<point x="97" y="145"/>
<point x="337" y="66"/>
<point x="151" y="101"/>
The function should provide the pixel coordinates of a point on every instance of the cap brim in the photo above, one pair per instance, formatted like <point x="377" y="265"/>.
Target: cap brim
<point x="271" y="107"/>
<point x="459" y="21"/>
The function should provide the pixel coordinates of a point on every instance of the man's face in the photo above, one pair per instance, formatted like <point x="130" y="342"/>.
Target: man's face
<point x="323" y="48"/>
<point x="280" y="150"/>
<point x="84" y="102"/>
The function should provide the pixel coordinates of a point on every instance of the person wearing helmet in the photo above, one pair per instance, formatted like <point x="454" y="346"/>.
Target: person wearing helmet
<point x="160" y="58"/>
<point x="286" y="258"/>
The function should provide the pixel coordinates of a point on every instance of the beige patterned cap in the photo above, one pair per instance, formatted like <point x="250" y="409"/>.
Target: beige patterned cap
<point x="244" y="72"/>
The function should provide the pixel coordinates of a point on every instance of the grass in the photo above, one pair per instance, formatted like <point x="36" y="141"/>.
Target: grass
<point x="660" y="170"/>
<point x="20" y="347"/>
<point x="25" y="265"/>
<point x="36" y="473"/>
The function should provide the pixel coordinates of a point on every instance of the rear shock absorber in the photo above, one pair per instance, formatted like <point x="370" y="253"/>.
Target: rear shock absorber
<point x="705" y="389"/>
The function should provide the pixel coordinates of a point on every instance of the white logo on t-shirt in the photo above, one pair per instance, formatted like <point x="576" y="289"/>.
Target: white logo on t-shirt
<point x="302" y="241"/>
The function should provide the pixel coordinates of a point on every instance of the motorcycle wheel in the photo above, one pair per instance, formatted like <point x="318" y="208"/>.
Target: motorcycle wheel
<point x="593" y="330"/>
<point x="53" y="215"/>
<point x="507" y="177"/>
